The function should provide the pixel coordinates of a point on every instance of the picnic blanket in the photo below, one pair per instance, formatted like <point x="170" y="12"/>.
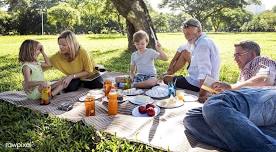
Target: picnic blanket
<point x="165" y="131"/>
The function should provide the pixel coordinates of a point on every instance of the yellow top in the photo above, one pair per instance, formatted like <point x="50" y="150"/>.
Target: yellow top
<point x="81" y="63"/>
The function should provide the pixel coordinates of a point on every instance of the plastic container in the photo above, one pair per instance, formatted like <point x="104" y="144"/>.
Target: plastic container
<point x="112" y="102"/>
<point x="45" y="95"/>
<point x="89" y="106"/>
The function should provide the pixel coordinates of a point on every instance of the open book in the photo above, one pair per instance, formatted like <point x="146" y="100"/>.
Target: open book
<point x="207" y="84"/>
<point x="94" y="76"/>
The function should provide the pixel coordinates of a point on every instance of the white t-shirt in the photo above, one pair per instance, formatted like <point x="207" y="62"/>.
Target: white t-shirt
<point x="145" y="62"/>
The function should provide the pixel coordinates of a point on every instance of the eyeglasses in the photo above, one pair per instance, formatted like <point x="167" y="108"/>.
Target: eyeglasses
<point x="240" y="54"/>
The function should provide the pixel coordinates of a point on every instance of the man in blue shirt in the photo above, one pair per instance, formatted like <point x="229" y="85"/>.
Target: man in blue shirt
<point x="202" y="55"/>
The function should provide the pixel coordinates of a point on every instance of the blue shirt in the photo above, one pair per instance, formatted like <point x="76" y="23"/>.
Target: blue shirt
<point x="204" y="61"/>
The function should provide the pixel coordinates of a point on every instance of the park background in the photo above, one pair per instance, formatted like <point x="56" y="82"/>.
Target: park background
<point x="102" y="32"/>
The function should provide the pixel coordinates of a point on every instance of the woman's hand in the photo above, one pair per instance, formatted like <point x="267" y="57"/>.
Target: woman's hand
<point x="66" y="81"/>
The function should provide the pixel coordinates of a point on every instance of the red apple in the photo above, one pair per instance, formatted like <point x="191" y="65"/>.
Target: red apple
<point x="150" y="111"/>
<point x="142" y="109"/>
<point x="150" y="105"/>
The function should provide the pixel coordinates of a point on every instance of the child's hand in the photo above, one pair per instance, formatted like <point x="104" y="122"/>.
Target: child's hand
<point x="40" y="48"/>
<point x="44" y="84"/>
<point x="131" y="77"/>
<point x="158" y="46"/>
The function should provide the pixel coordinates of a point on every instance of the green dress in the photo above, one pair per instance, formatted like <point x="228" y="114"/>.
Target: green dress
<point x="36" y="75"/>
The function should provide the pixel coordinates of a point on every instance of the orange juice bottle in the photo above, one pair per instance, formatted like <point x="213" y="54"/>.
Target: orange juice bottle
<point x="113" y="102"/>
<point x="89" y="106"/>
<point x="107" y="87"/>
<point x="45" y="95"/>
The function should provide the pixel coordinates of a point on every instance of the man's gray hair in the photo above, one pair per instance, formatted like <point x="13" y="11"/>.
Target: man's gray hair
<point x="249" y="46"/>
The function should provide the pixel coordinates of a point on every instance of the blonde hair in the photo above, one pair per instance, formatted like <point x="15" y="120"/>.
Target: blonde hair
<point x="27" y="51"/>
<point x="139" y="35"/>
<point x="72" y="43"/>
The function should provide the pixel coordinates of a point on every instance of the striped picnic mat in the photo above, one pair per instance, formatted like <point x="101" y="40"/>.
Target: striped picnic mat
<point x="165" y="131"/>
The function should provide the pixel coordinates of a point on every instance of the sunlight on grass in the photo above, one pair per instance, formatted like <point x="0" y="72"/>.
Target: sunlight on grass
<point x="49" y="134"/>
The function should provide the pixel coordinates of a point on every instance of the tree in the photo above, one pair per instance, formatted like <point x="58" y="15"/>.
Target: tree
<point x="274" y="9"/>
<point x="15" y="5"/>
<point x="29" y="22"/>
<point x="137" y="18"/>
<point x="230" y="19"/>
<point x="161" y="22"/>
<point x="270" y="18"/>
<point x="112" y="13"/>
<point x="63" y="17"/>
<point x="4" y="22"/>
<point x="203" y="9"/>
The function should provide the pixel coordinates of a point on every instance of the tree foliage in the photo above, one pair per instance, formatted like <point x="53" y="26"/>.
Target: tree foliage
<point x="101" y="16"/>
<point x="63" y="16"/>
<point x="203" y="9"/>
<point x="230" y="19"/>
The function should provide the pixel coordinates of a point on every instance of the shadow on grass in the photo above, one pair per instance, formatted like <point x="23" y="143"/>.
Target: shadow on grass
<point x="121" y="62"/>
<point x="106" y="36"/>
<point x="9" y="63"/>
<point x="10" y="72"/>
<point x="44" y="133"/>
<point x="45" y="38"/>
<point x="98" y="53"/>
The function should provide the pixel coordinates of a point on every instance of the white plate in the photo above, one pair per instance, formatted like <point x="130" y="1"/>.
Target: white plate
<point x="96" y="96"/>
<point x="167" y="103"/>
<point x="160" y="91"/>
<point x="136" y="113"/>
<point x="132" y="92"/>
<point x="190" y="98"/>
<point x="140" y="99"/>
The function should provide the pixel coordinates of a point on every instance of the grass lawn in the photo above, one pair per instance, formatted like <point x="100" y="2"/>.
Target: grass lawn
<point x="20" y="125"/>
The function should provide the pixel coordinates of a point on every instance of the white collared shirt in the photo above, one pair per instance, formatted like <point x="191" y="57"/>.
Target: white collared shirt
<point x="205" y="60"/>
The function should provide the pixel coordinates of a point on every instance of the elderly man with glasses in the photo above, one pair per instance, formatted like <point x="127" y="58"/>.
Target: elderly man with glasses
<point x="200" y="53"/>
<point x="242" y="117"/>
<point x="255" y="71"/>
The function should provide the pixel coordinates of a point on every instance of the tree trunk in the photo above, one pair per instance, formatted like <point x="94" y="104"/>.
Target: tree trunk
<point x="137" y="18"/>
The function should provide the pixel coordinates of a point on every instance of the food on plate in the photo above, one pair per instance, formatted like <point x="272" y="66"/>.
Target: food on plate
<point x="132" y="91"/>
<point x="150" y="105"/>
<point x="142" y="109"/>
<point x="150" y="111"/>
<point x="168" y="102"/>
<point x="158" y="91"/>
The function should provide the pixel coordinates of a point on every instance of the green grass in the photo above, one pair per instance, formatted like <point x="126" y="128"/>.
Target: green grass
<point x="21" y="125"/>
